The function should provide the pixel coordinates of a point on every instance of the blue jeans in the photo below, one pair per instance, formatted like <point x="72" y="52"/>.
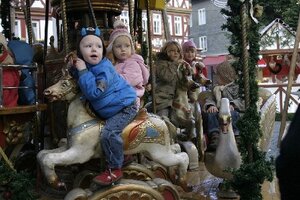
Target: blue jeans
<point x="110" y="137"/>
<point x="211" y="121"/>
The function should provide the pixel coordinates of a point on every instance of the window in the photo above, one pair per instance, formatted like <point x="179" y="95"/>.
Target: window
<point x="36" y="30"/>
<point x="124" y="17"/>
<point x="157" y="42"/>
<point x="170" y="24"/>
<point x="203" y="43"/>
<point x="156" y="24"/>
<point x="17" y="32"/>
<point x="201" y="16"/>
<point x="144" y="21"/>
<point x="178" y="25"/>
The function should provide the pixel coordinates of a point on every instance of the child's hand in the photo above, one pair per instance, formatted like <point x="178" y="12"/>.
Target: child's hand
<point x="183" y="62"/>
<point x="80" y="64"/>
<point x="212" y="109"/>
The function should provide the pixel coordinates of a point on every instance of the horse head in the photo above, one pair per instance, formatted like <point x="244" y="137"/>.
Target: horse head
<point x="185" y="77"/>
<point x="198" y="75"/>
<point x="65" y="89"/>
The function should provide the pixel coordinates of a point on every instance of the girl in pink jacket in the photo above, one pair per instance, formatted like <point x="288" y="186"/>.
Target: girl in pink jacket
<point x="128" y="64"/>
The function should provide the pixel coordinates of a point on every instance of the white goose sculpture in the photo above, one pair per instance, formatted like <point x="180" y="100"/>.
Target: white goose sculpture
<point x="226" y="154"/>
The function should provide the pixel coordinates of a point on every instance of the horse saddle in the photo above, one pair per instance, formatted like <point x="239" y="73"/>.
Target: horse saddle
<point x="145" y="128"/>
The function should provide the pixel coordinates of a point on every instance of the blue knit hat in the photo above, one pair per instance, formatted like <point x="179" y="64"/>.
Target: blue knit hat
<point x="23" y="52"/>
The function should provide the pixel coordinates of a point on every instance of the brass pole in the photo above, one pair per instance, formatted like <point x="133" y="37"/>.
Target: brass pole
<point x="3" y="155"/>
<point x="152" y="69"/>
<point x="131" y="16"/>
<point x="65" y="27"/>
<point x="290" y="82"/>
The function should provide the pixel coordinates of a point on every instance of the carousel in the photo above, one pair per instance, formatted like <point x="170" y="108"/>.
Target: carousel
<point x="55" y="157"/>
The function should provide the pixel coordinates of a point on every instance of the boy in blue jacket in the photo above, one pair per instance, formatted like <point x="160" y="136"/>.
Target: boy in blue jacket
<point x="110" y="96"/>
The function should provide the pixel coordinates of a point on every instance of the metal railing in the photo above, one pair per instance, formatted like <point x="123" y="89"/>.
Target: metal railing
<point x="32" y="67"/>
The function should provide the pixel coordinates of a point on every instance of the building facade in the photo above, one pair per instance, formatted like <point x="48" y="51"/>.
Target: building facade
<point x="206" y="31"/>
<point x="178" y="17"/>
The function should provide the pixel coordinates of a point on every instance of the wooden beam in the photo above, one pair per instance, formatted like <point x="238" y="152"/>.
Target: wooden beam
<point x="290" y="82"/>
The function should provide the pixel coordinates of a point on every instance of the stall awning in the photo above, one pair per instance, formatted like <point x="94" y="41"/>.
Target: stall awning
<point x="214" y="60"/>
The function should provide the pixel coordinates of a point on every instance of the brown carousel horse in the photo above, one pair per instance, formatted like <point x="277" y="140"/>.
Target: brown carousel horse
<point x="186" y="111"/>
<point x="147" y="133"/>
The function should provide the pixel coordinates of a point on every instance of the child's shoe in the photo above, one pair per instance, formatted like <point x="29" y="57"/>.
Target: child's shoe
<point x="108" y="177"/>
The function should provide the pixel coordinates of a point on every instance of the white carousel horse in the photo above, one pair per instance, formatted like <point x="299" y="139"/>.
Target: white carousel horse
<point x="226" y="155"/>
<point x="147" y="133"/>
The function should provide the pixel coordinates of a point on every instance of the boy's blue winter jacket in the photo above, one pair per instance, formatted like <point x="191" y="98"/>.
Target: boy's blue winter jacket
<point x="105" y="89"/>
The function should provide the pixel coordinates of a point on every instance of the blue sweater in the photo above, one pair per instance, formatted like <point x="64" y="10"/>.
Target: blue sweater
<point x="105" y="89"/>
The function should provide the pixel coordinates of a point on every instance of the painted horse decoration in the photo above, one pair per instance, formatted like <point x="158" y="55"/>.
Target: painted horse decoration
<point x="147" y="133"/>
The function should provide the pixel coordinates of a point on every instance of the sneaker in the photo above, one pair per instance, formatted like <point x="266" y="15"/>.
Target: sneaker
<point x="108" y="177"/>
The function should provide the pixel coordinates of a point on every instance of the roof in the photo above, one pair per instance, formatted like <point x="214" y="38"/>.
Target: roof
<point x="214" y="60"/>
<point x="273" y="23"/>
<point x="277" y="36"/>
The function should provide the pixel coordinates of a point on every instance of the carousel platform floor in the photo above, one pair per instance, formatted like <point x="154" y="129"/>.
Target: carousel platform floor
<point x="205" y="185"/>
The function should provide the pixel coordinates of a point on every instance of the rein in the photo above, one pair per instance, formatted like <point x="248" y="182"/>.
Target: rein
<point x="72" y="89"/>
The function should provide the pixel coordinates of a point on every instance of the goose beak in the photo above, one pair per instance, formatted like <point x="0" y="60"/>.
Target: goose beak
<point x="224" y="122"/>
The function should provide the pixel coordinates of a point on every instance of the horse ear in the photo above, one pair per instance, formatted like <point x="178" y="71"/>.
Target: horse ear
<point x="65" y="72"/>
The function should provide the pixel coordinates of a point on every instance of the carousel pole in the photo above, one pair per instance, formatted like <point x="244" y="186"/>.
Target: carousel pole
<point x="31" y="36"/>
<point x="245" y="57"/>
<point x="166" y="24"/>
<point x="131" y="16"/>
<point x="152" y="70"/>
<point x="92" y="13"/>
<point x="65" y="27"/>
<point x="290" y="82"/>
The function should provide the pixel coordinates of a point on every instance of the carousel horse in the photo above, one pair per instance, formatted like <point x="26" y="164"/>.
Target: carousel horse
<point x="226" y="155"/>
<point x="182" y="114"/>
<point x="147" y="133"/>
<point x="186" y="111"/>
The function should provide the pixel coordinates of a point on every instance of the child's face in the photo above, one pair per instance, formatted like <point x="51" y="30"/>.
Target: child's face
<point x="122" y="48"/>
<point x="91" y="48"/>
<point x="190" y="54"/>
<point x="173" y="52"/>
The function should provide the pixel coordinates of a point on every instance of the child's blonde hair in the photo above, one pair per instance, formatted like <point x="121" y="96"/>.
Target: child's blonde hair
<point x="163" y="50"/>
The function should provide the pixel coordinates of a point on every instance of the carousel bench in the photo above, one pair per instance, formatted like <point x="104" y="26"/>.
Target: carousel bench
<point x="14" y="119"/>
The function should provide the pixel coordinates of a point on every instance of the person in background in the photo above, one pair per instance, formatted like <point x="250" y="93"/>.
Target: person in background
<point x="226" y="87"/>
<point x="288" y="161"/>
<point x="200" y="72"/>
<point x="190" y="56"/>
<point x="168" y="59"/>
<point x="109" y="96"/>
<point x="127" y="63"/>
<point x="23" y="55"/>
